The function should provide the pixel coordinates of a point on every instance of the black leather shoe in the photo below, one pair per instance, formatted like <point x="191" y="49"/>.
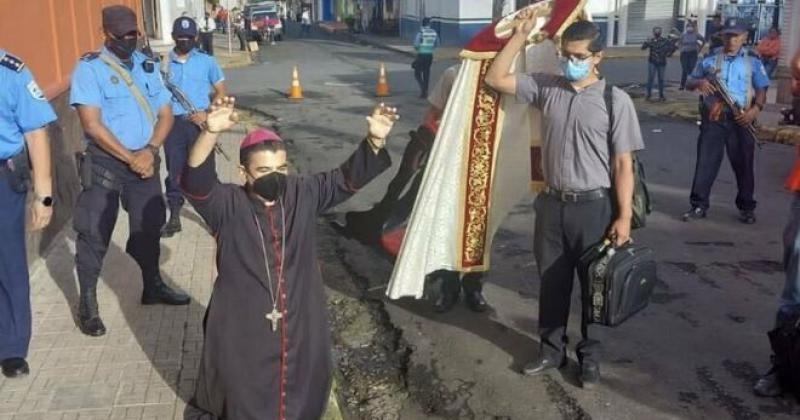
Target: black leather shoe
<point x="590" y="374"/>
<point x="475" y="301"/>
<point x="161" y="293"/>
<point x="89" y="320"/>
<point x="173" y="226"/>
<point x="15" y="367"/>
<point x="445" y="302"/>
<point x="695" y="213"/>
<point x="747" y="217"/>
<point x="545" y="363"/>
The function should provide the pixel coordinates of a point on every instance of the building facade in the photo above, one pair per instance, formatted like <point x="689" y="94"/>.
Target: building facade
<point x="623" y="22"/>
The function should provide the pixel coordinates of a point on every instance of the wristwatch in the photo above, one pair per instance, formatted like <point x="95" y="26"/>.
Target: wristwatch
<point x="153" y="149"/>
<point x="46" y="201"/>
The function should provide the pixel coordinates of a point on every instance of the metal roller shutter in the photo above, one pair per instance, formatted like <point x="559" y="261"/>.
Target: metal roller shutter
<point x="643" y="15"/>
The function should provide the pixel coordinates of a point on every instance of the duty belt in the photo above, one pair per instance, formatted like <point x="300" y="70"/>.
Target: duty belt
<point x="576" y="196"/>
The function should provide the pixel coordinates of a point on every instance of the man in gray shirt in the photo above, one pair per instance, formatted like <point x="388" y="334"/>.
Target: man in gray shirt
<point x="588" y="172"/>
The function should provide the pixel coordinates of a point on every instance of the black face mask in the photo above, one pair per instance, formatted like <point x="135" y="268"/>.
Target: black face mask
<point x="123" y="47"/>
<point x="271" y="186"/>
<point x="184" y="46"/>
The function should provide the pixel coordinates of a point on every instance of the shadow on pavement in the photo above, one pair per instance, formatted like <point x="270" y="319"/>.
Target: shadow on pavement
<point x="161" y="332"/>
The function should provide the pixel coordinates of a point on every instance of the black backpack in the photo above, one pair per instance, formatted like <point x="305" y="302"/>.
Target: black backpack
<point x="641" y="197"/>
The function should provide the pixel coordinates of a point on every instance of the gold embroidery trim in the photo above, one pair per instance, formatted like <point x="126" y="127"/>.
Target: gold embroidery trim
<point x="479" y="171"/>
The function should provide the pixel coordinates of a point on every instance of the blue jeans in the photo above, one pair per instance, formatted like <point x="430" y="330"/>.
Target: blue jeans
<point x="654" y="69"/>
<point x="791" y="258"/>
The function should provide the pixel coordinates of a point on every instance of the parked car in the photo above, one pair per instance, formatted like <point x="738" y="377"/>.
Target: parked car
<point x="265" y="24"/>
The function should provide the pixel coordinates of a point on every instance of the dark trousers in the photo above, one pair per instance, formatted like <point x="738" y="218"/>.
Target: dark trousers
<point x="796" y="110"/>
<point x="716" y="138"/>
<point x="770" y="64"/>
<point x="15" y="301"/>
<point x="176" y="149"/>
<point x="96" y="214"/>
<point x="654" y="70"/>
<point x="563" y="232"/>
<point x="207" y="42"/>
<point x="453" y="281"/>
<point x="422" y="71"/>
<point x="242" y="42"/>
<point x="688" y="61"/>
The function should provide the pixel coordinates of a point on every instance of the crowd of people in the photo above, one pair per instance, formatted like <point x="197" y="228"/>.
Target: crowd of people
<point x="266" y="344"/>
<point x="692" y="45"/>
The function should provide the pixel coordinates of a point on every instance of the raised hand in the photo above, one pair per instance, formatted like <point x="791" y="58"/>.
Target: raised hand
<point x="381" y="122"/>
<point x="525" y="22"/>
<point x="223" y="115"/>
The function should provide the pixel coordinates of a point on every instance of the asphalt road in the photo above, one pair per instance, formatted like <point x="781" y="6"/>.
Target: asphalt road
<point x="694" y="353"/>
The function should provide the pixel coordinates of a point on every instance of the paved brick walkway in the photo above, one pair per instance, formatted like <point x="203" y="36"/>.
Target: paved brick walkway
<point x="146" y="365"/>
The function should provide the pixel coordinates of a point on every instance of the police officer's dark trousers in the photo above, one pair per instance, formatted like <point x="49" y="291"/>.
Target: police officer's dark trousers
<point x="176" y="150"/>
<point x="96" y="214"/>
<point x="564" y="230"/>
<point x="15" y="304"/>
<point x="422" y="71"/>
<point x="715" y="139"/>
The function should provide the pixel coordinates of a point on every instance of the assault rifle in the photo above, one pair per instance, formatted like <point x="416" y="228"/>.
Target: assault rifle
<point x="174" y="90"/>
<point x="722" y="93"/>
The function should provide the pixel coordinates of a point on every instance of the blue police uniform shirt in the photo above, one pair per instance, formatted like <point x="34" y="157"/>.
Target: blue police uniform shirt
<point x="96" y="84"/>
<point x="195" y="78"/>
<point x="734" y="74"/>
<point x="23" y="107"/>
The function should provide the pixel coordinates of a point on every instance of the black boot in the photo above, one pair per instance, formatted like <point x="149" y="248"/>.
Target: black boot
<point x="450" y="290"/>
<point x="15" y="367"/>
<point x="89" y="320"/>
<point x="157" y="291"/>
<point x="473" y="296"/>
<point x="173" y="226"/>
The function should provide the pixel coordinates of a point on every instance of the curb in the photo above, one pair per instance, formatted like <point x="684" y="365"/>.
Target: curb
<point x="789" y="135"/>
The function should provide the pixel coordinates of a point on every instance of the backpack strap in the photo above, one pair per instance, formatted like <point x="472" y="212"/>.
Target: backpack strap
<point x="608" y="96"/>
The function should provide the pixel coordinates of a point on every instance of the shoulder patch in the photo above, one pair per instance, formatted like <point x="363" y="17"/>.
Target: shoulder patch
<point x="89" y="56"/>
<point x="12" y="63"/>
<point x="35" y="91"/>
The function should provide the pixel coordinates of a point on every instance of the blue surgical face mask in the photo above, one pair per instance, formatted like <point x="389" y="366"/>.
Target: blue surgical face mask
<point x="575" y="70"/>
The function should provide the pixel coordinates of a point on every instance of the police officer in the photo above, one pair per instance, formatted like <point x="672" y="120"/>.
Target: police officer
<point x="125" y="125"/>
<point x="745" y="79"/>
<point x="195" y="74"/>
<point x="24" y="114"/>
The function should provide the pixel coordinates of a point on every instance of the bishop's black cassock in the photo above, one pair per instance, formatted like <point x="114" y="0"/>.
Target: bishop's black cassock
<point x="247" y="371"/>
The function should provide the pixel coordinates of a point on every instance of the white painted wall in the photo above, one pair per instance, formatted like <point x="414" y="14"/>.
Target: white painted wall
<point x="475" y="9"/>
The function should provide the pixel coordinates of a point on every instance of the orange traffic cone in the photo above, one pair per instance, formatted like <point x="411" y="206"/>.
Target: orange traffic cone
<point x="383" y="85"/>
<point x="296" y="91"/>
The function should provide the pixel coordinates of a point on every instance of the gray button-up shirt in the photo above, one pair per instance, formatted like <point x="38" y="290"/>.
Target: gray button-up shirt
<point x="577" y="150"/>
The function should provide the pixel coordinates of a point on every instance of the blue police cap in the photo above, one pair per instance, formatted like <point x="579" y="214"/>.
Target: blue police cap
<point x="735" y="26"/>
<point x="184" y="27"/>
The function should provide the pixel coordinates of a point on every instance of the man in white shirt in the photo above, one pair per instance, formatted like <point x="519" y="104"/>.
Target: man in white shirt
<point x="207" y="28"/>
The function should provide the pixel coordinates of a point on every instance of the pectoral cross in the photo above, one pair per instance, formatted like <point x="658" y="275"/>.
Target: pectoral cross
<point x="274" y="318"/>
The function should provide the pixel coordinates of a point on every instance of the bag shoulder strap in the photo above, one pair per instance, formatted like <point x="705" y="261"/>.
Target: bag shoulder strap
<point x="748" y="74"/>
<point x="125" y="76"/>
<point x="608" y="96"/>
